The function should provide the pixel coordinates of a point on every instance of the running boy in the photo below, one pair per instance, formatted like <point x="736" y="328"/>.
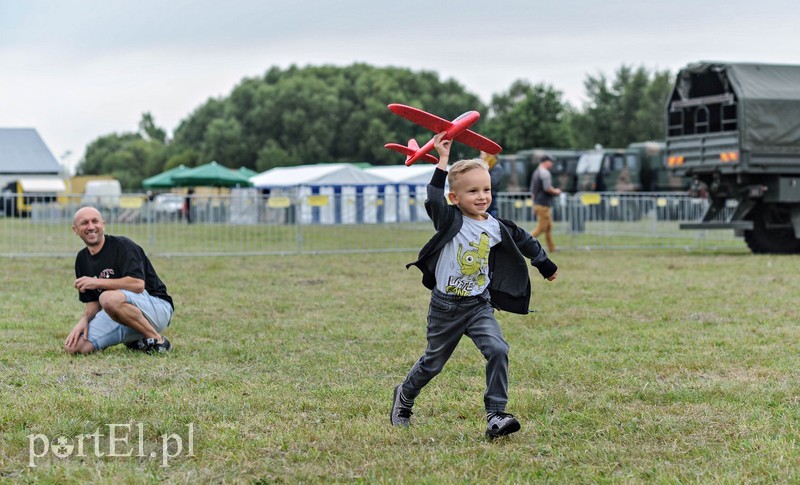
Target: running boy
<point x="473" y="263"/>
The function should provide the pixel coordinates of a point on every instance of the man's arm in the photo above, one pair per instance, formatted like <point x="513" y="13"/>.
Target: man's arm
<point x="547" y="184"/>
<point x="125" y="283"/>
<point x="81" y="329"/>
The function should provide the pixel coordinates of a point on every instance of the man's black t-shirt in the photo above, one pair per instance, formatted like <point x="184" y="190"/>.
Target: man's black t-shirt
<point x="118" y="258"/>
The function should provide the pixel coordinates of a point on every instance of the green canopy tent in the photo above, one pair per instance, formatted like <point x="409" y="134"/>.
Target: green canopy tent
<point x="247" y="172"/>
<point x="164" y="180"/>
<point x="211" y="175"/>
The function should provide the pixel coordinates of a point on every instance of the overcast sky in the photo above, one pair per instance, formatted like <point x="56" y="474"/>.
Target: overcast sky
<point x="79" y="69"/>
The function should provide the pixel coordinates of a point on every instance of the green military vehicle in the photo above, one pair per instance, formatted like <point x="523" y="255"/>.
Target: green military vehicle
<point x="519" y="168"/>
<point x="733" y="128"/>
<point x="608" y="170"/>
<point x="640" y="167"/>
<point x="654" y="173"/>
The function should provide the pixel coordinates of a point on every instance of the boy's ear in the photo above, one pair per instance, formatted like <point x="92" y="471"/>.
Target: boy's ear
<point x="451" y="196"/>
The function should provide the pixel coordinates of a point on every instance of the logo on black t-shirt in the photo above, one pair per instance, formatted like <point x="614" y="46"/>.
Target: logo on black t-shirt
<point x="106" y="273"/>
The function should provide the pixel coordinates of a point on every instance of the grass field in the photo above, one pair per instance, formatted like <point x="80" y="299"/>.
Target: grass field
<point x="638" y="366"/>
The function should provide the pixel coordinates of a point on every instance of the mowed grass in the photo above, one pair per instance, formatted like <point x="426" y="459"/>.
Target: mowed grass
<point x="638" y="366"/>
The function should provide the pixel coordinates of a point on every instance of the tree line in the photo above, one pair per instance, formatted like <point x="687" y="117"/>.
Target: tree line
<point x="315" y="114"/>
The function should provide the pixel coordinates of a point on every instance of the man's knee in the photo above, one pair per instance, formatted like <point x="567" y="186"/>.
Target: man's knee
<point x="111" y="300"/>
<point x="80" y="347"/>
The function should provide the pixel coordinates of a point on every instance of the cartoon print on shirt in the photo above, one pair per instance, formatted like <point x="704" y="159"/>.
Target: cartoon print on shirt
<point x="474" y="265"/>
<point x="106" y="273"/>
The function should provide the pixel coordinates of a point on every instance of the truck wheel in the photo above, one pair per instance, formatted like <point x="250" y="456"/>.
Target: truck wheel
<point x="771" y="241"/>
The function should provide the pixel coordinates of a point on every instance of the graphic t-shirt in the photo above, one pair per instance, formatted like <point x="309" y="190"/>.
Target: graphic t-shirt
<point x="463" y="266"/>
<point x="118" y="258"/>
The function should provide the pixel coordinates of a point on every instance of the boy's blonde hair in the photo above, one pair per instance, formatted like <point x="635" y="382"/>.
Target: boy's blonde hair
<point x="463" y="166"/>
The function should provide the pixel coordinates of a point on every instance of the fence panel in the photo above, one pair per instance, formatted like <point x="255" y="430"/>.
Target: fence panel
<point x="253" y="223"/>
<point x="593" y="220"/>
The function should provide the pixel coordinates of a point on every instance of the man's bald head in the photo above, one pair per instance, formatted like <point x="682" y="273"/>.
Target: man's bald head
<point x="84" y="213"/>
<point x="88" y="224"/>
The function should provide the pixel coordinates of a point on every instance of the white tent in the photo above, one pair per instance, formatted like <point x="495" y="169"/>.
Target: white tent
<point x="328" y="193"/>
<point x="405" y="195"/>
<point x="321" y="174"/>
<point x="415" y="174"/>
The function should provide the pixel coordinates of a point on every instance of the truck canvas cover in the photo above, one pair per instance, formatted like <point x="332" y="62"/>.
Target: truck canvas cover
<point x="767" y="96"/>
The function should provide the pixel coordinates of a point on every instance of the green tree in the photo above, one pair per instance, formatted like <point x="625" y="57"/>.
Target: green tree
<point x="128" y="157"/>
<point x="529" y="116"/>
<point x="318" y="114"/>
<point x="148" y="129"/>
<point x="628" y="109"/>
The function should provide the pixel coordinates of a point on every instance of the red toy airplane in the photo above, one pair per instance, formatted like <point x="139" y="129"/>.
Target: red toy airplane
<point x="458" y="130"/>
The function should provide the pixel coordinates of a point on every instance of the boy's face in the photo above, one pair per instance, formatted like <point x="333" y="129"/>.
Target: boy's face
<point x="472" y="192"/>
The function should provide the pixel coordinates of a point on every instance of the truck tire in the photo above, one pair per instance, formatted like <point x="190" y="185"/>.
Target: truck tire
<point x="771" y="241"/>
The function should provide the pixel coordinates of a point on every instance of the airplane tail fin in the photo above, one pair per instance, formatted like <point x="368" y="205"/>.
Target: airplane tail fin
<point x="410" y="150"/>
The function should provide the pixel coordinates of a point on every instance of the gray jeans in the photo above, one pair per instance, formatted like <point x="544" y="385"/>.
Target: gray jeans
<point x="450" y="317"/>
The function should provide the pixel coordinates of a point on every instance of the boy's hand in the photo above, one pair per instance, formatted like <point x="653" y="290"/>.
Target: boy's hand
<point x="553" y="276"/>
<point x="442" y="148"/>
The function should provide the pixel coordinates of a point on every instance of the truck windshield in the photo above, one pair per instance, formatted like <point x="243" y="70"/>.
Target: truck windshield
<point x="632" y="161"/>
<point x="590" y="162"/>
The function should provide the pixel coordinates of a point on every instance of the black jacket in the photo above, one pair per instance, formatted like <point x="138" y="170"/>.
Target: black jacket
<point x="509" y="285"/>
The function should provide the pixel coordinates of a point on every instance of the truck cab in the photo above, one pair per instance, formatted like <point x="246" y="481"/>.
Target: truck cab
<point x="608" y="170"/>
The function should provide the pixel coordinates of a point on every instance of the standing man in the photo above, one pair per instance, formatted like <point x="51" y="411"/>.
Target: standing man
<point x="543" y="193"/>
<point x="496" y="174"/>
<point x="125" y="300"/>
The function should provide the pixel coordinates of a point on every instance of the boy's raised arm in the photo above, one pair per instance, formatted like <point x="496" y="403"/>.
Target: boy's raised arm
<point x="443" y="149"/>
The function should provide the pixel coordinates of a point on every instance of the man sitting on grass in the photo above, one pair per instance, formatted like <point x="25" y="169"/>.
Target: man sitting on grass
<point x="125" y="300"/>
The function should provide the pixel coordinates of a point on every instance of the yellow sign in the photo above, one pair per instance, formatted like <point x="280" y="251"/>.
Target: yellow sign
<point x="317" y="200"/>
<point x="590" y="199"/>
<point x="131" y="202"/>
<point x="279" y="202"/>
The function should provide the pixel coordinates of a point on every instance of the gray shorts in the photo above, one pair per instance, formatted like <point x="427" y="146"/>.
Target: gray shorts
<point x="105" y="332"/>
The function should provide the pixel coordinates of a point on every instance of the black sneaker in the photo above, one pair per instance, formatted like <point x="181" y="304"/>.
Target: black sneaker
<point x="400" y="415"/>
<point x="501" y="424"/>
<point x="133" y="345"/>
<point x="153" y="346"/>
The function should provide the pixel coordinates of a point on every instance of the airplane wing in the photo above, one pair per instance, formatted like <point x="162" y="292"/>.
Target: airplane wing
<point x="480" y="142"/>
<point x="422" y="118"/>
<point x="438" y="125"/>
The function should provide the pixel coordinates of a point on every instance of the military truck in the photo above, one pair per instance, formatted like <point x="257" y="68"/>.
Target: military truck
<point x="519" y="168"/>
<point x="733" y="128"/>
<point x="639" y="167"/>
<point x="608" y="169"/>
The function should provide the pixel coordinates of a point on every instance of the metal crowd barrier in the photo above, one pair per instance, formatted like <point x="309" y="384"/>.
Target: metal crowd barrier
<point x="252" y="223"/>
<point x="617" y="220"/>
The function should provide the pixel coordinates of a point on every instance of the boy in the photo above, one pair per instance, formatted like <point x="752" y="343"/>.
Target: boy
<point x="473" y="263"/>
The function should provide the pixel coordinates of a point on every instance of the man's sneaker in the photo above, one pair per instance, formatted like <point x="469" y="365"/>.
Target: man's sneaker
<point x="400" y="415"/>
<point x="153" y="346"/>
<point x="501" y="424"/>
<point x="133" y="345"/>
